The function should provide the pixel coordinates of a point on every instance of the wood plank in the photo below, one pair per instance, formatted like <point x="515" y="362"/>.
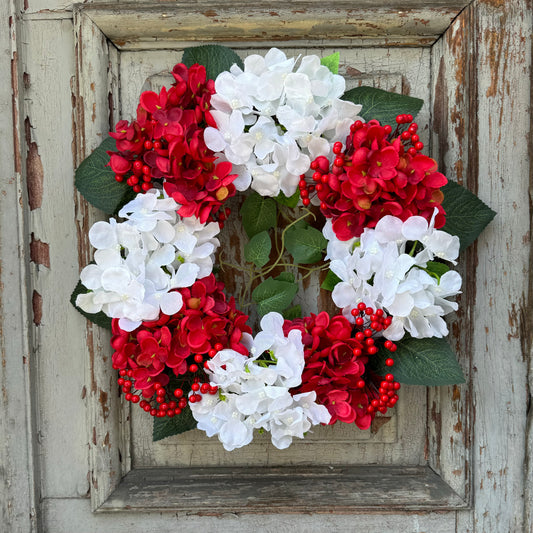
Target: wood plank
<point x="58" y="345"/>
<point x="385" y="22"/>
<point x="96" y="77"/>
<point x="452" y="122"/>
<point x="501" y="342"/>
<point x="61" y="514"/>
<point x="325" y="489"/>
<point x="18" y="463"/>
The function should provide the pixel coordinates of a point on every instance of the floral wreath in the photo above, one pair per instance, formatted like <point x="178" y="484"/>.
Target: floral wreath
<point x="345" y="173"/>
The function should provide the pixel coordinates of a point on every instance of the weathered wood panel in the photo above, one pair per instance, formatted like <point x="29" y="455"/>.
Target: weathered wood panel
<point x="451" y="132"/>
<point x="60" y="515"/>
<point x="502" y="317"/>
<point x="54" y="257"/>
<point x="491" y="102"/>
<point x="283" y="490"/>
<point x="18" y="466"/>
<point x="379" y="22"/>
<point x="96" y="78"/>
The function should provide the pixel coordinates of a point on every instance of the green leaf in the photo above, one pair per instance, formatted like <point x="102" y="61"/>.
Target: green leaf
<point x="97" y="183"/>
<point x="292" y="312"/>
<point x="166" y="427"/>
<point x="428" y="362"/>
<point x="285" y="276"/>
<point x="257" y="250"/>
<point x="258" y="214"/>
<point x="437" y="268"/>
<point x="332" y="62"/>
<point x="273" y="295"/>
<point x="305" y="243"/>
<point x="382" y="105"/>
<point x="289" y="201"/>
<point x="330" y="281"/>
<point x="214" y="57"/>
<point x="466" y="215"/>
<point x="100" y="319"/>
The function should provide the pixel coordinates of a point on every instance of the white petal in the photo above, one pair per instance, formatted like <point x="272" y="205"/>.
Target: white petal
<point x="186" y="275"/>
<point x="171" y="303"/>
<point x="102" y="235"/>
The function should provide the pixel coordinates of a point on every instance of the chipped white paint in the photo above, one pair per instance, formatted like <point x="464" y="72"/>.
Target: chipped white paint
<point x="477" y="433"/>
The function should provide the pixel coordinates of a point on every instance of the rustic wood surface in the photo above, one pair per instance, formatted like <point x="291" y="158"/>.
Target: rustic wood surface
<point x="60" y="410"/>
<point x="283" y="490"/>
<point x="386" y="22"/>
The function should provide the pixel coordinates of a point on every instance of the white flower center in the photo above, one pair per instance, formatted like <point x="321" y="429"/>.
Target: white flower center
<point x="389" y="274"/>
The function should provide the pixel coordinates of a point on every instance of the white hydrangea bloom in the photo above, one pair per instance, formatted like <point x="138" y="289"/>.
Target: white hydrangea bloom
<point x="254" y="391"/>
<point x="387" y="268"/>
<point x="140" y="261"/>
<point x="276" y="115"/>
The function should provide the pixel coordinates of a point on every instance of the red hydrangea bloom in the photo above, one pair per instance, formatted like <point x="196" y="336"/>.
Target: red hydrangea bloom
<point x="335" y="363"/>
<point x="166" y="142"/>
<point x="166" y="346"/>
<point x="374" y="177"/>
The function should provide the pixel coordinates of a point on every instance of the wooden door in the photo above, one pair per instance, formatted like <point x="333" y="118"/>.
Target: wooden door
<point x="450" y="459"/>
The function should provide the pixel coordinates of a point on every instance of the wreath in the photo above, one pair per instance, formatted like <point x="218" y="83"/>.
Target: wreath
<point x="334" y="182"/>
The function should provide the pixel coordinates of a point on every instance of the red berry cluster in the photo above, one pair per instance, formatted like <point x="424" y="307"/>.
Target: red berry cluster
<point x="336" y="357"/>
<point x="166" y="142"/>
<point x="175" y="349"/>
<point x="378" y="173"/>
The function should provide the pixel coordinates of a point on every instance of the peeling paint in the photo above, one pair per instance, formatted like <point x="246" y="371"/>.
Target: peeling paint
<point x="37" y="306"/>
<point x="39" y="252"/>
<point x="34" y="170"/>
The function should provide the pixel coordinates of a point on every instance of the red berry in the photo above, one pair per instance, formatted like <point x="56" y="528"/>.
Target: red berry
<point x="409" y="117"/>
<point x="135" y="398"/>
<point x="148" y="145"/>
<point x="306" y="201"/>
<point x="359" y="321"/>
<point x="195" y="387"/>
<point x="361" y="384"/>
<point x="337" y="148"/>
<point x="146" y="187"/>
<point x="182" y="403"/>
<point x="199" y="358"/>
<point x="361" y="306"/>
<point x="137" y="188"/>
<point x="412" y="151"/>
<point x="389" y="362"/>
<point x="387" y="129"/>
<point x="193" y="368"/>
<point x="389" y="377"/>
<point x="146" y="170"/>
<point x="339" y="162"/>
<point x="419" y="146"/>
<point x="405" y="136"/>
<point x="178" y="393"/>
<point x="400" y="119"/>
<point x="119" y="178"/>
<point x="129" y="396"/>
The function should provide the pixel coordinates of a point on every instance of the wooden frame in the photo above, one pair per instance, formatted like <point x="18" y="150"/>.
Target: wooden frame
<point x="99" y="41"/>
<point x="480" y="441"/>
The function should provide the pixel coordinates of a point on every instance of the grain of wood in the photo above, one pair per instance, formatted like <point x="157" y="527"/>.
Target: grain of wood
<point x="95" y="81"/>
<point x="450" y="407"/>
<point x="61" y="514"/>
<point x="502" y="313"/>
<point x="401" y="22"/>
<point x="487" y="72"/>
<point x="18" y="482"/>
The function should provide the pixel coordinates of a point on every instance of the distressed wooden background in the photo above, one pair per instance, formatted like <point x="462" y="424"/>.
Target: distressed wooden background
<point x="65" y="436"/>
